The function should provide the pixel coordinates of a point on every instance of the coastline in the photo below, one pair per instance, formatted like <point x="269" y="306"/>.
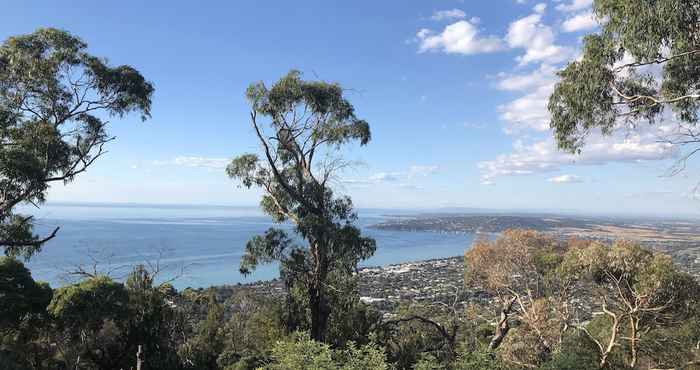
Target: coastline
<point x="386" y="287"/>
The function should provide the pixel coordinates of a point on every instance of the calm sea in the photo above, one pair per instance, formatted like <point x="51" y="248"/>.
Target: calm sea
<point x="201" y="245"/>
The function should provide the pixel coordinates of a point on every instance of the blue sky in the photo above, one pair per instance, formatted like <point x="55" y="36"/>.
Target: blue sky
<point x="455" y="93"/>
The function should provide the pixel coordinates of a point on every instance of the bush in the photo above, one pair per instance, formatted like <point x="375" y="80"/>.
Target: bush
<point x="301" y="352"/>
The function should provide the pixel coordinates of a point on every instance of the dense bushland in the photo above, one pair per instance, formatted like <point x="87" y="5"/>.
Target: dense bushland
<point x="555" y="305"/>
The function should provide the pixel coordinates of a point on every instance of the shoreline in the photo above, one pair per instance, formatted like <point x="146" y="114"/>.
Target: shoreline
<point x="384" y="287"/>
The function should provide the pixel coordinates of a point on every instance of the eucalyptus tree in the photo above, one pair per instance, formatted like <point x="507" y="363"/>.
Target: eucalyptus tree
<point x="644" y="61"/>
<point x="642" y="299"/>
<point x="55" y="100"/>
<point x="519" y="269"/>
<point x="301" y="127"/>
<point x="22" y="297"/>
<point x="89" y="323"/>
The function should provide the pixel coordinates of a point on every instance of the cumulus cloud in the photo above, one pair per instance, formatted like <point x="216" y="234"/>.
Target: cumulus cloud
<point x="543" y="156"/>
<point x="529" y="111"/>
<point x="574" y="5"/>
<point x="543" y="76"/>
<point x="565" y="179"/>
<point x="204" y="162"/>
<point x="464" y="37"/>
<point x="448" y="14"/>
<point x="580" y="22"/>
<point x="537" y="39"/>
<point x="461" y="37"/>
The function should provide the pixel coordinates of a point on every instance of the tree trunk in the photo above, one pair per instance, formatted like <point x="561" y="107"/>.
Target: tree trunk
<point x="502" y="327"/>
<point x="319" y="313"/>
<point x="633" y="342"/>
<point x="613" y="339"/>
<point x="139" y="359"/>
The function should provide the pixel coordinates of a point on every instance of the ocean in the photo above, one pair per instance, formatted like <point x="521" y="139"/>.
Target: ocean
<point x="194" y="246"/>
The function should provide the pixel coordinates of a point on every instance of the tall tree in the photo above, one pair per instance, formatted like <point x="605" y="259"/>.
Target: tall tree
<point x="301" y="126"/>
<point x="55" y="98"/>
<point x="645" y="60"/>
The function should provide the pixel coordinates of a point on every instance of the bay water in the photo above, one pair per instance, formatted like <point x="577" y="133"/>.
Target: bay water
<point x="197" y="246"/>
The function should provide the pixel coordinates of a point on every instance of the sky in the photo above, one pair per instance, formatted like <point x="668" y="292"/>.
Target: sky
<point x="455" y="93"/>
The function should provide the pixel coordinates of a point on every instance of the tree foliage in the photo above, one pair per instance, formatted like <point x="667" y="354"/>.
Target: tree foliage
<point x="519" y="268"/>
<point x="638" y="292"/>
<point x="643" y="62"/>
<point x="20" y="295"/>
<point x="301" y="352"/>
<point x="301" y="126"/>
<point x="55" y="98"/>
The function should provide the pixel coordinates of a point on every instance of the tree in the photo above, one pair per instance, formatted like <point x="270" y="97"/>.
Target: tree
<point x="296" y="122"/>
<point x="643" y="61"/>
<point x="251" y="331"/>
<point x="23" y="303"/>
<point x="90" y="322"/>
<point x="639" y="294"/>
<point x="301" y="352"/>
<point x="21" y="295"/>
<point x="54" y="98"/>
<point x="152" y="322"/>
<point x="201" y="351"/>
<point x="519" y="268"/>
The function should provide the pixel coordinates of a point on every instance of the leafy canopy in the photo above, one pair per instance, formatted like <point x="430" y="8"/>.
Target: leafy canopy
<point x="20" y="295"/>
<point x="306" y="118"/>
<point x="55" y="98"/>
<point x="644" y="61"/>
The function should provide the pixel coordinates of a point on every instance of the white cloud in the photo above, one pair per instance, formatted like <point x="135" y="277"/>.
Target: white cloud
<point x="543" y="156"/>
<point x="529" y="110"/>
<point x="565" y="179"/>
<point x="540" y="8"/>
<point x="543" y="76"/>
<point x="411" y="186"/>
<point x="384" y="177"/>
<point x="581" y="22"/>
<point x="422" y="171"/>
<point x="183" y="161"/>
<point x="448" y="14"/>
<point x="461" y="37"/>
<point x="574" y="5"/>
<point x="537" y="39"/>
<point x="405" y="177"/>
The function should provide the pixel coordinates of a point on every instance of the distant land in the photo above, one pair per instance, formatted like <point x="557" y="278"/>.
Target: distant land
<point x="676" y="236"/>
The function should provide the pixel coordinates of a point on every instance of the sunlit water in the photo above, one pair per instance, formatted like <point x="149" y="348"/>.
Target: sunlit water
<point x="201" y="246"/>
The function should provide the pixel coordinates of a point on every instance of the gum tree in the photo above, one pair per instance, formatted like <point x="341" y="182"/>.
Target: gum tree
<point x="301" y="127"/>
<point x="644" y="63"/>
<point x="55" y="99"/>
<point x="519" y="269"/>
<point x="640" y="296"/>
<point x="21" y="295"/>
